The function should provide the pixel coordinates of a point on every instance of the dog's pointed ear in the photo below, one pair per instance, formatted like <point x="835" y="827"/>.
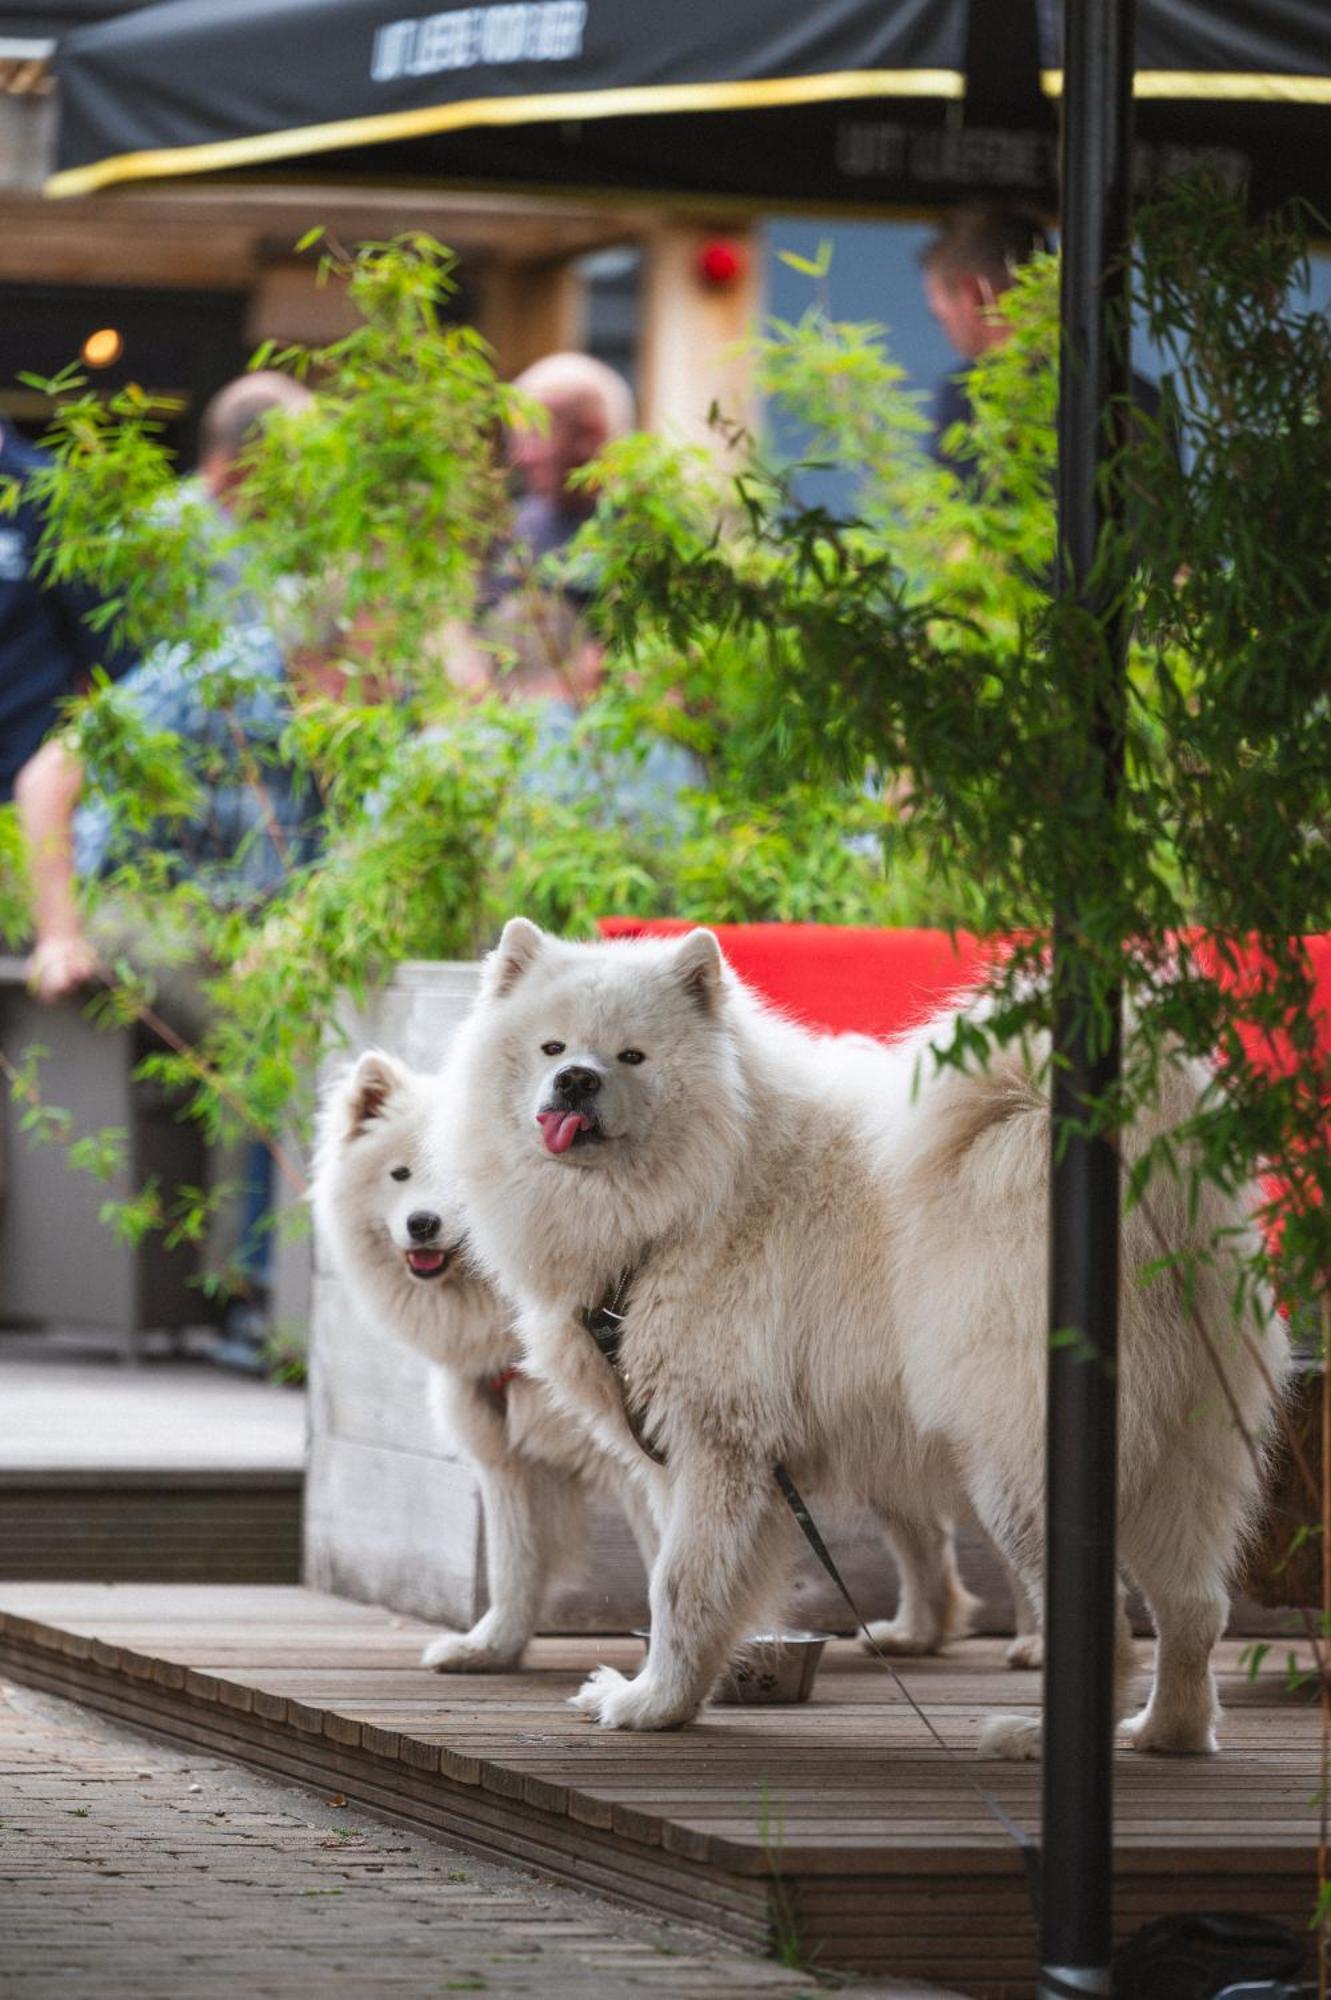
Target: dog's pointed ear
<point x="699" y="967"/>
<point x="370" y="1090"/>
<point x="520" y="942"/>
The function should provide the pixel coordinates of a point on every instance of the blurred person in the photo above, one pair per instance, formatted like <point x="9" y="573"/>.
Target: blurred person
<point x="967" y="266"/>
<point x="68" y="841"/>
<point x="251" y="823"/>
<point x="534" y="627"/>
<point x="533" y="641"/>
<point x="47" y="647"/>
<point x="588" y="406"/>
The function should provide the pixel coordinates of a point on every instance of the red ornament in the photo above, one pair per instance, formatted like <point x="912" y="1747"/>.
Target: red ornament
<point x="720" y="263"/>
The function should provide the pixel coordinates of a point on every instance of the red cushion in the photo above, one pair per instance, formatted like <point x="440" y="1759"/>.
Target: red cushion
<point x="833" y="977"/>
<point x="877" y="982"/>
<point x="1244" y="972"/>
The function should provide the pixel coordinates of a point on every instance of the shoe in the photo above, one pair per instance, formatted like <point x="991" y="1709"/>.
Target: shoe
<point x="243" y="1342"/>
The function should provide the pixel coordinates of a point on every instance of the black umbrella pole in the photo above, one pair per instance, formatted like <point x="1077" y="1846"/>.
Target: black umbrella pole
<point x="1080" y="1585"/>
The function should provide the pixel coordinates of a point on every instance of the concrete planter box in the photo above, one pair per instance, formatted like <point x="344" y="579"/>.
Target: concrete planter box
<point x="392" y="1508"/>
<point x="60" y="1266"/>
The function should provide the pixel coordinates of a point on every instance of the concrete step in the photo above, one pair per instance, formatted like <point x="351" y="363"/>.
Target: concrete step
<point x="125" y="1525"/>
<point x="172" y="1471"/>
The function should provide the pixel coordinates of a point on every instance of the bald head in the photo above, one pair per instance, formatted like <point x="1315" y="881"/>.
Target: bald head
<point x="588" y="406"/>
<point x="236" y="415"/>
<point x="581" y="382"/>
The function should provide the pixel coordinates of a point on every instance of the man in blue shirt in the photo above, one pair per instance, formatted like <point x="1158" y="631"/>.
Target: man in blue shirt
<point x="247" y="827"/>
<point x="47" y="648"/>
<point x="249" y="818"/>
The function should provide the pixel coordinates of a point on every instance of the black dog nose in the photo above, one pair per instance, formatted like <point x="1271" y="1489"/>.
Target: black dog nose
<point x="575" y="1081"/>
<point x="422" y="1225"/>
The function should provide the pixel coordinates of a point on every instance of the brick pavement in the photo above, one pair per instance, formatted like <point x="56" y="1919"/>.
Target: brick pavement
<point x="131" y="1870"/>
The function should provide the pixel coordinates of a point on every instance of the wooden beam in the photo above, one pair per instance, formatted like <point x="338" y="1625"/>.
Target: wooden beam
<point x="691" y="329"/>
<point x="88" y="243"/>
<point x="201" y="236"/>
<point x="531" y="308"/>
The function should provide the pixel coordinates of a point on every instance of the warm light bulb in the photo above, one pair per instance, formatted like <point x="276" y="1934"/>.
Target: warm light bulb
<point x="103" y="348"/>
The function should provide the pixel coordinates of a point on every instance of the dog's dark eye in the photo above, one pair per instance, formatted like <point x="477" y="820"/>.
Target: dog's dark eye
<point x="632" y="1056"/>
<point x="552" y="1048"/>
<point x="400" y="1174"/>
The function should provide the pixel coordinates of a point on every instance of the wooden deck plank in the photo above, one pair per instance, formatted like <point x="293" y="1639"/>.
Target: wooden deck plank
<point x="882" y="1844"/>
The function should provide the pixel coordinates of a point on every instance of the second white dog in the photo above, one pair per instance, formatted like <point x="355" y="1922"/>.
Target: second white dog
<point x="391" y="1219"/>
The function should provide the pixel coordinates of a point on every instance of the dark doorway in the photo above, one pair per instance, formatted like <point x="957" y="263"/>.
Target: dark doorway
<point x="179" y="344"/>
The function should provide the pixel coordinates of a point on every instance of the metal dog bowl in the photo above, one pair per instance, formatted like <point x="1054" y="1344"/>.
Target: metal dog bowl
<point x="770" y="1667"/>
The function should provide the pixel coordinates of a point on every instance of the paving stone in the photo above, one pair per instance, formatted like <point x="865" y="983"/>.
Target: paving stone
<point x="117" y="1879"/>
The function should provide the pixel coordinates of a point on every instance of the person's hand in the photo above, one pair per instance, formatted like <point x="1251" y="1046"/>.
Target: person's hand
<point x="61" y="966"/>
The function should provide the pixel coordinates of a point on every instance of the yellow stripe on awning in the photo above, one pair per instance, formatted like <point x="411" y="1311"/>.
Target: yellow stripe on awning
<point x="1234" y="86"/>
<point x="636" y="101"/>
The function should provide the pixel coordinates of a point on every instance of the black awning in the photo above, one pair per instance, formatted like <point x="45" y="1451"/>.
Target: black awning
<point x="507" y="91"/>
<point x="44" y="20"/>
<point x="1246" y="80"/>
<point x="870" y="102"/>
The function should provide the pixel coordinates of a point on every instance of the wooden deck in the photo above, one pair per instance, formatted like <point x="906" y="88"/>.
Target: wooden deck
<point x="839" y="1823"/>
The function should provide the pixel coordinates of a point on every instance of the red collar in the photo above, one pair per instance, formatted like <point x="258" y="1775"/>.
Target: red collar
<point x="497" y="1385"/>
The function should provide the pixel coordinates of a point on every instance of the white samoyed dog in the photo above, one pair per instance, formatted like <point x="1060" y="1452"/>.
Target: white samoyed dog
<point x="830" y="1255"/>
<point x="392" y="1221"/>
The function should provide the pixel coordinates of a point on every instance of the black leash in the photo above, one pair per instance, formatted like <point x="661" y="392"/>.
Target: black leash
<point x="605" y="1324"/>
<point x="1030" y="1853"/>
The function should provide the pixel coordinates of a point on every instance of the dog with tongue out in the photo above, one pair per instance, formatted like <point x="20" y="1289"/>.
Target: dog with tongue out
<point x="572" y="1117"/>
<point x="827" y="1255"/>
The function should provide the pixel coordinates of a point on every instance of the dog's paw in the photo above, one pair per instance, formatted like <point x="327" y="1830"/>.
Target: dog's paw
<point x="1026" y="1650"/>
<point x="617" y="1703"/>
<point x="1173" y="1736"/>
<point x="889" y="1635"/>
<point x="1016" y="1738"/>
<point x="460" y="1653"/>
<point x="596" y="1689"/>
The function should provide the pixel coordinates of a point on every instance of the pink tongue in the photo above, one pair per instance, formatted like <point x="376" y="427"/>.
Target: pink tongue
<point x="560" y="1128"/>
